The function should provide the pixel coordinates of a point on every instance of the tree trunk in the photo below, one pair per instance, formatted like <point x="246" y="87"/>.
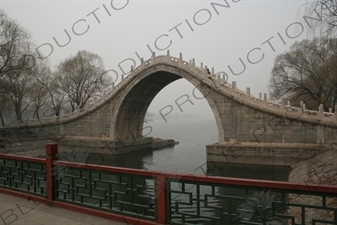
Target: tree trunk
<point x="37" y="114"/>
<point x="334" y="100"/>
<point x="2" y="119"/>
<point x="18" y="115"/>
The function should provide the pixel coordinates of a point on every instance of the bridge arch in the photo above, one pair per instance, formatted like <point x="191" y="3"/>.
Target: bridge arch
<point x="243" y="121"/>
<point x="129" y="114"/>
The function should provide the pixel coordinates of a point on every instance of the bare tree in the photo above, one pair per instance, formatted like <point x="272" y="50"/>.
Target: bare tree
<point x="27" y="83"/>
<point x="16" y="61"/>
<point x="18" y="88"/>
<point x="4" y="106"/>
<point x="308" y="73"/>
<point x="57" y="96"/>
<point x="81" y="78"/>
<point x="40" y="94"/>
<point x="50" y="83"/>
<point x="15" y="46"/>
<point x="327" y="10"/>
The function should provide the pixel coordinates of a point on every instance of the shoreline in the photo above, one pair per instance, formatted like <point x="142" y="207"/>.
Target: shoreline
<point x="35" y="147"/>
<point x="320" y="170"/>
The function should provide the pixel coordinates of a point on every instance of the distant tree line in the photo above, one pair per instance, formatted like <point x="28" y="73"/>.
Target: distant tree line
<point x="29" y="86"/>
<point x="307" y="72"/>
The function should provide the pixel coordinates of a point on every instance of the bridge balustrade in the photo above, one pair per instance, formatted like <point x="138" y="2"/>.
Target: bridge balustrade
<point x="221" y="84"/>
<point x="151" y="197"/>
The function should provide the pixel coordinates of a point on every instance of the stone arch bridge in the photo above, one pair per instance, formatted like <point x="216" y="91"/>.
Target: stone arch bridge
<point x="247" y="125"/>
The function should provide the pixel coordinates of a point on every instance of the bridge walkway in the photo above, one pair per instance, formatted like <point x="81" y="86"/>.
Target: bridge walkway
<point x="20" y="211"/>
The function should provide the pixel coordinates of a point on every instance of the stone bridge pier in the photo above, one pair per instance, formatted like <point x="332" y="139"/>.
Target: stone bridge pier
<point x="250" y="129"/>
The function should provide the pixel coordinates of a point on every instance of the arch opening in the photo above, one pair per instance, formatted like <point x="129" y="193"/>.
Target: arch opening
<point x="129" y="116"/>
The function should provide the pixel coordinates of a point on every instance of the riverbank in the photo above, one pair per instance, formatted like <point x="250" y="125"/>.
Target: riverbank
<point x="33" y="148"/>
<point x="320" y="170"/>
<point x="36" y="147"/>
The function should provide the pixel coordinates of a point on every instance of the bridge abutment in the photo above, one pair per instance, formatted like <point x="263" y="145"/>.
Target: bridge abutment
<point x="115" y="147"/>
<point x="274" y="154"/>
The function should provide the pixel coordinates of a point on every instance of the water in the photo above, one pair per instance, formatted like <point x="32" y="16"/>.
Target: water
<point x="189" y="156"/>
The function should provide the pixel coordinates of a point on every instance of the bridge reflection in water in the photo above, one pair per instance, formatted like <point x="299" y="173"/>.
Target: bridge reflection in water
<point x="182" y="194"/>
<point x="211" y="206"/>
<point x="144" y="160"/>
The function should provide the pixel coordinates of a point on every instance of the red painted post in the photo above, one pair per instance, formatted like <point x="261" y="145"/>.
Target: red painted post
<point x="161" y="198"/>
<point x="51" y="151"/>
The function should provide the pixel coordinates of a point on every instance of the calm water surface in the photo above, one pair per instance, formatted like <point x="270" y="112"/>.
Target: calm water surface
<point x="189" y="156"/>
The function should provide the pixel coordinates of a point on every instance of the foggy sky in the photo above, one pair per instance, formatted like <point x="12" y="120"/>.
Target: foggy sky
<point x="208" y="31"/>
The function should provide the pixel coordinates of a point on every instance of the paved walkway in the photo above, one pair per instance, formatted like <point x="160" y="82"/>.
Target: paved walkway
<point x="20" y="211"/>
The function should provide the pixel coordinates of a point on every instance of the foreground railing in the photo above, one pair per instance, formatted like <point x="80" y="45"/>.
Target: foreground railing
<point x="150" y="197"/>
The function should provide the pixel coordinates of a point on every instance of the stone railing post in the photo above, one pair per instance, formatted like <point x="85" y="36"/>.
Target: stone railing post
<point x="180" y="60"/>
<point x="320" y="112"/>
<point x="234" y="88"/>
<point x="141" y="63"/>
<point x="265" y="101"/>
<point x="153" y="57"/>
<point x="300" y="112"/>
<point x="219" y="80"/>
<point x="282" y="107"/>
<point x="192" y="65"/>
<point x="248" y="96"/>
<point x="132" y="72"/>
<point x="51" y="152"/>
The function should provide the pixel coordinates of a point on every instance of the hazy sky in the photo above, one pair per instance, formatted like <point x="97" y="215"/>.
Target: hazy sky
<point x="208" y="31"/>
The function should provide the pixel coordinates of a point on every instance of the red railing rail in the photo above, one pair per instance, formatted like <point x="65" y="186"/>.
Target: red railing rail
<point x="22" y="158"/>
<point x="206" y="179"/>
<point x="160" y="180"/>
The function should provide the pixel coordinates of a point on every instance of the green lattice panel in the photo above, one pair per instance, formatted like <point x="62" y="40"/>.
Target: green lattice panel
<point x="23" y="176"/>
<point x="126" y="194"/>
<point x="201" y="203"/>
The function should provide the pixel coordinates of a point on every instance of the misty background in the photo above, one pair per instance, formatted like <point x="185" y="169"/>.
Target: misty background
<point x="217" y="36"/>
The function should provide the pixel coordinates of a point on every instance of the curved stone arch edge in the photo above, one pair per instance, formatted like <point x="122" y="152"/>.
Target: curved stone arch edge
<point x="185" y="74"/>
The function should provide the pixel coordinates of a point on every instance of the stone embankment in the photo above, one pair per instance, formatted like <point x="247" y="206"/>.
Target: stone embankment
<point x="320" y="170"/>
<point x="36" y="147"/>
<point x="31" y="148"/>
